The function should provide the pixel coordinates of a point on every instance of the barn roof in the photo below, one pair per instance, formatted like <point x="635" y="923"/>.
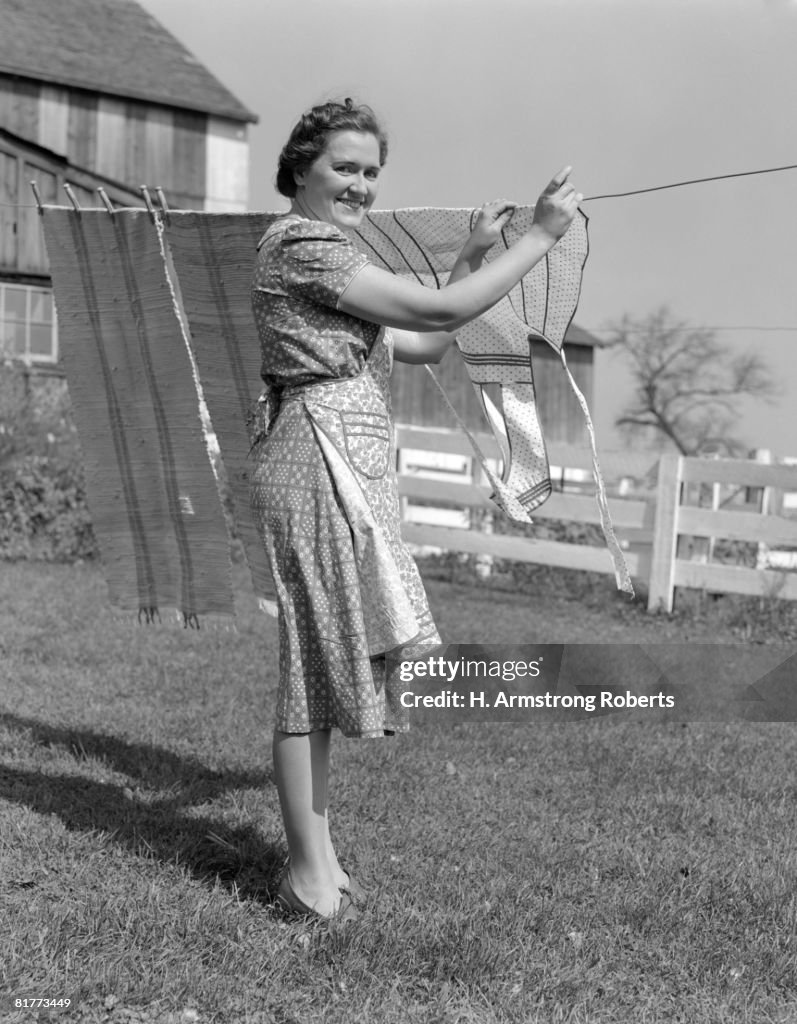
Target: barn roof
<point x="109" y="46"/>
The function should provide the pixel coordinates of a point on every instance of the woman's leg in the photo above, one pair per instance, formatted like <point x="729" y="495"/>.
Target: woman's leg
<point x="301" y="768"/>
<point x="339" y="876"/>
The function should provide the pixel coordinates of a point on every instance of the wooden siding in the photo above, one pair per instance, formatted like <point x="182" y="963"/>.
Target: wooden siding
<point x="193" y="157"/>
<point x="417" y="401"/>
<point x="53" y="124"/>
<point x="190" y="144"/>
<point x="136" y="144"/>
<point x="159" y="160"/>
<point x="561" y="415"/>
<point x="111" y="156"/>
<point x="21" y="236"/>
<point x="226" y="166"/>
<point x="22" y="250"/>
<point x="82" y="135"/>
<point x="32" y="254"/>
<point x="19" y="106"/>
<point x="9" y="174"/>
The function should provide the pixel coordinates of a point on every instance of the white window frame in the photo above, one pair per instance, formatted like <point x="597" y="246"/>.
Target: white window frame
<point x="31" y="359"/>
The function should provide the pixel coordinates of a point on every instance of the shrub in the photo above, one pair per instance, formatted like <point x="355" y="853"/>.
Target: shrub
<point x="43" y="512"/>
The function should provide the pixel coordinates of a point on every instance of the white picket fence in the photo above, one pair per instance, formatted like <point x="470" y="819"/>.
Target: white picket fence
<point x="671" y="536"/>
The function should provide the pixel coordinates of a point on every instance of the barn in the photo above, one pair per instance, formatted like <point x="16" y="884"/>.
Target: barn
<point x="96" y="93"/>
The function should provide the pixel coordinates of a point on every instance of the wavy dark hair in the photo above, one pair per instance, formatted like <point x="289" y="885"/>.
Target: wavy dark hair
<point x="308" y="139"/>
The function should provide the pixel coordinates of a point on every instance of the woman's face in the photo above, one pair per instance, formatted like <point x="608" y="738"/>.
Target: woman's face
<point x="341" y="186"/>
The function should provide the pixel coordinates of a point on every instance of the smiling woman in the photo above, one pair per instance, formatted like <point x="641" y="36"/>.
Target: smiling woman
<point x="340" y="187"/>
<point x="324" y="487"/>
<point x="332" y="159"/>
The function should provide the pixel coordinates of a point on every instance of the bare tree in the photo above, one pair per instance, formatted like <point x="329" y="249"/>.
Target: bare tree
<point x="687" y="384"/>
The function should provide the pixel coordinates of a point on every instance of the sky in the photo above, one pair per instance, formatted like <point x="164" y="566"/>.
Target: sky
<point x="489" y="98"/>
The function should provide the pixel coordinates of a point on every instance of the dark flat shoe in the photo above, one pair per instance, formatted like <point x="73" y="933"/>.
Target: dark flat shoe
<point x="290" y="903"/>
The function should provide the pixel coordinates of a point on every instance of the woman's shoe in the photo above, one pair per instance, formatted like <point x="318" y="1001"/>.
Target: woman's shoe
<point x="353" y="888"/>
<point x="351" y="885"/>
<point x="292" y="904"/>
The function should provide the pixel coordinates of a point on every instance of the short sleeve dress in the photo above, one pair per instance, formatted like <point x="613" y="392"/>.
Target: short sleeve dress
<point x="324" y="490"/>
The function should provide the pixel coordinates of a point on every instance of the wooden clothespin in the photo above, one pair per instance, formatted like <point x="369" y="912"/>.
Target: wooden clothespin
<point x="37" y="196"/>
<point x="162" y="200"/>
<point x="148" y="201"/>
<point x="72" y="197"/>
<point x="106" y="202"/>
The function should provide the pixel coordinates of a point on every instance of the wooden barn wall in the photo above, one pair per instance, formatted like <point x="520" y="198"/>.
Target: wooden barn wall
<point x="21" y="236"/>
<point x="417" y="401"/>
<point x="227" y="167"/>
<point x="126" y="140"/>
<point x="8" y="213"/>
<point x="54" y="118"/>
<point x="190" y="144"/>
<point x="561" y="415"/>
<point x="82" y="131"/>
<point x="111" y="157"/>
<point x="22" y="248"/>
<point x="32" y="253"/>
<point x="19" y="107"/>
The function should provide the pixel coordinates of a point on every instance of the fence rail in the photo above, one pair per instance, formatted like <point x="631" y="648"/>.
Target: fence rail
<point x="670" y="537"/>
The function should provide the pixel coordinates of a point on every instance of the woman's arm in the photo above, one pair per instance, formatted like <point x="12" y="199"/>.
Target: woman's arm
<point x="381" y="297"/>
<point x="411" y="347"/>
<point x="415" y="348"/>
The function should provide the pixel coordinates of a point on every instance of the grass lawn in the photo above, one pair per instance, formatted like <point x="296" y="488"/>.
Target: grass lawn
<point x="607" y="871"/>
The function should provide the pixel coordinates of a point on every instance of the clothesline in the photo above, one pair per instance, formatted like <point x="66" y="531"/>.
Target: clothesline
<point x="694" y="327"/>
<point x="691" y="181"/>
<point x="608" y="195"/>
<point x="734" y="327"/>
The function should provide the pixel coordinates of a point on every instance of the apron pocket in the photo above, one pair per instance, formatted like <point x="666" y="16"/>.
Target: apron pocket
<point x="368" y="442"/>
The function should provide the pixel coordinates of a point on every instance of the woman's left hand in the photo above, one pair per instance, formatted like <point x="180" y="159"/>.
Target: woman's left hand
<point x="490" y="222"/>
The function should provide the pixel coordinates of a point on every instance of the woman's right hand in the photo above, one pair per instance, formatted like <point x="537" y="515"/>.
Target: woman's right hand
<point x="555" y="209"/>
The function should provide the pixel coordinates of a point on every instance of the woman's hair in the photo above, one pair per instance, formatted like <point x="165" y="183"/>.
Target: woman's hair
<point x="308" y="139"/>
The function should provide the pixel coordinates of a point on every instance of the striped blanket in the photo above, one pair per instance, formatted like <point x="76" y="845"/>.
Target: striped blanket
<point x="150" y="485"/>
<point x="154" y="312"/>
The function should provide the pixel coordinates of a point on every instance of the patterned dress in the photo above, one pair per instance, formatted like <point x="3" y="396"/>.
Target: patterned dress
<point x="324" y="490"/>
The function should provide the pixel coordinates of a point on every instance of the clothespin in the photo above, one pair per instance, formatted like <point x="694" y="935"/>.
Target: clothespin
<point x="37" y="196"/>
<point x="148" y="201"/>
<point x="72" y="197"/>
<point x="106" y="202"/>
<point x="162" y="200"/>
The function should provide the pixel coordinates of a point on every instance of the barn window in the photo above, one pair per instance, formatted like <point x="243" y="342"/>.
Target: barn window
<point x="28" y="329"/>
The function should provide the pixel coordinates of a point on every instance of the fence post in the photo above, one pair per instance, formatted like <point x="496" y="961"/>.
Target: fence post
<point x="483" y="520"/>
<point x="665" y="534"/>
<point x="764" y="496"/>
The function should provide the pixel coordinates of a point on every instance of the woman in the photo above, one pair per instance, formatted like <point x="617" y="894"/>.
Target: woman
<point x="324" y="487"/>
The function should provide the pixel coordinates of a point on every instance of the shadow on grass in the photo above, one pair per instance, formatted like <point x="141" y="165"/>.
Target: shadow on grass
<point x="144" y="823"/>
